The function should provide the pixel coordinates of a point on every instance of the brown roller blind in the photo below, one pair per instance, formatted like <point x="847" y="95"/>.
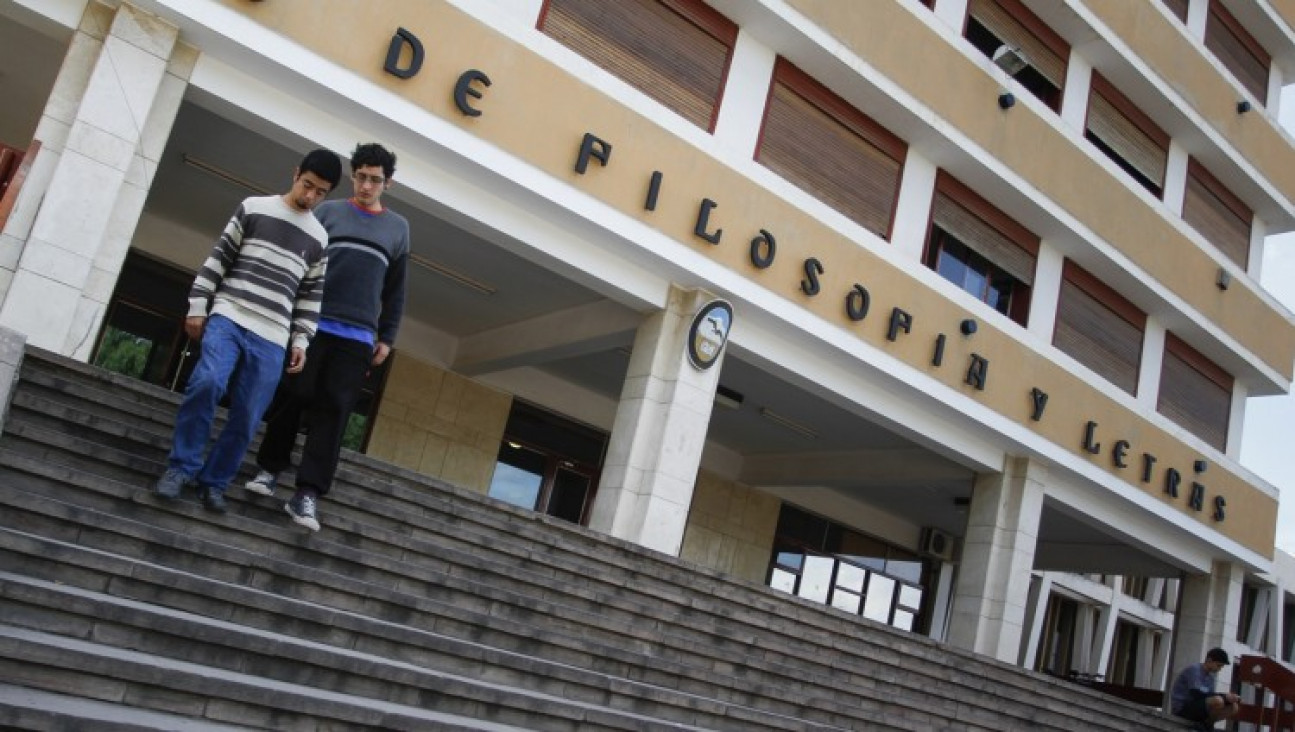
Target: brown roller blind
<point x="1238" y="50"/>
<point x="1114" y="120"/>
<point x="1178" y="8"/>
<point x="1195" y="393"/>
<point x="1099" y="329"/>
<point x="1217" y="214"/>
<point x="977" y="224"/>
<point x="1016" y="26"/>
<point x="658" y="47"/>
<point x="817" y="141"/>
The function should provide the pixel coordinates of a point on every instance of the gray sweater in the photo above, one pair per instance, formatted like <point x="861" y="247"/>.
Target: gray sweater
<point x="368" y="255"/>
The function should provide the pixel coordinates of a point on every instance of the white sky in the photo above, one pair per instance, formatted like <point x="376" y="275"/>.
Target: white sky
<point x="1268" y="437"/>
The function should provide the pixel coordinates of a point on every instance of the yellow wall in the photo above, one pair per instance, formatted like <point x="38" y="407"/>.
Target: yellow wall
<point x="440" y="424"/>
<point x="540" y="113"/>
<point x="961" y="93"/>
<point x="730" y="527"/>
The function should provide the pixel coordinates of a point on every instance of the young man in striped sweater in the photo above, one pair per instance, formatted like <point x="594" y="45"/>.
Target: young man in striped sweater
<point x="368" y="253"/>
<point x="257" y="294"/>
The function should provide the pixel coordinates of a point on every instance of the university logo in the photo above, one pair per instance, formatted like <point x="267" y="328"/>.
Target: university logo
<point x="709" y="333"/>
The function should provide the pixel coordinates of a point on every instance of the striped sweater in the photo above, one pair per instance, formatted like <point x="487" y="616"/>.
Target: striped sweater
<point x="266" y="273"/>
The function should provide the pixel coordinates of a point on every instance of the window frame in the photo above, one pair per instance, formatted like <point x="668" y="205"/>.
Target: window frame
<point x="1100" y="86"/>
<point x="1108" y="297"/>
<point x="1041" y="33"/>
<point x="962" y="195"/>
<point x="1212" y="372"/>
<point x="1246" y="42"/>
<point x="696" y="13"/>
<point x="1229" y="200"/>
<point x="840" y="112"/>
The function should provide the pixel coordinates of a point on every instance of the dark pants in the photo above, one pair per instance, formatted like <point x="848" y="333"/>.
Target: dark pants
<point x="327" y="389"/>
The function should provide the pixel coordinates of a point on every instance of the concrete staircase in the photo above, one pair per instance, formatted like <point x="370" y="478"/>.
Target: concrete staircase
<point x="418" y="606"/>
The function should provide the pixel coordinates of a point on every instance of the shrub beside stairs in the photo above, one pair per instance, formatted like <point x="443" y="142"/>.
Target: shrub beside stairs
<point x="419" y="606"/>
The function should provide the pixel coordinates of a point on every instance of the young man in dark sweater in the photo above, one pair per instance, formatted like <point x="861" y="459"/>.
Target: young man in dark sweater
<point x="364" y="296"/>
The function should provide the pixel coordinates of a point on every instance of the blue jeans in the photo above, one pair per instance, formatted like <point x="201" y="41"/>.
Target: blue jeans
<point x="255" y="364"/>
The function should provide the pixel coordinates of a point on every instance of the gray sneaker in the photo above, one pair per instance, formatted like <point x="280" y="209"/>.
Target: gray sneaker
<point x="264" y="483"/>
<point x="171" y="484"/>
<point x="302" y="510"/>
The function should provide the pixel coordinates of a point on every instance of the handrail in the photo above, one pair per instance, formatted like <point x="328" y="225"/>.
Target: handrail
<point x="1266" y="676"/>
<point x="15" y="164"/>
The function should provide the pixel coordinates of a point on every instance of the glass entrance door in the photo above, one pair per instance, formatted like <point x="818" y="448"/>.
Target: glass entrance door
<point x="548" y="464"/>
<point x="143" y="332"/>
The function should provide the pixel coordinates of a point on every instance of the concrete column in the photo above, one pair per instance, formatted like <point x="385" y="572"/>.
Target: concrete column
<point x="1208" y="607"/>
<point x="12" y="347"/>
<point x="741" y="111"/>
<point x="104" y="129"/>
<point x="1175" y="188"/>
<point x="1151" y="363"/>
<point x="952" y="12"/>
<point x="1074" y="100"/>
<point x="1046" y="292"/>
<point x="913" y="206"/>
<point x="997" y="557"/>
<point x="1108" y="618"/>
<point x="1037" y="612"/>
<point x="1197" y="15"/>
<point x="657" y="437"/>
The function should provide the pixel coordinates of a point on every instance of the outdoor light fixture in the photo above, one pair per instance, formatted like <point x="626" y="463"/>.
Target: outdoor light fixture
<point x="1224" y="279"/>
<point x="968" y="326"/>
<point x="450" y="274"/>
<point x="1243" y="106"/>
<point x="728" y="398"/>
<point x="1010" y="60"/>
<point x="788" y="423"/>
<point x="225" y="175"/>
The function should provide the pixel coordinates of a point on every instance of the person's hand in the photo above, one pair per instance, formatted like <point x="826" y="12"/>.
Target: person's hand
<point x="296" y="360"/>
<point x="193" y="326"/>
<point x="380" y="353"/>
<point x="1231" y="698"/>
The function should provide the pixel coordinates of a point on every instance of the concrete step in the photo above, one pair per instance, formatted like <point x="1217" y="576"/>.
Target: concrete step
<point x="292" y="641"/>
<point x="69" y="666"/>
<point x="25" y="708"/>
<point x="580" y="592"/>
<point x="490" y="616"/>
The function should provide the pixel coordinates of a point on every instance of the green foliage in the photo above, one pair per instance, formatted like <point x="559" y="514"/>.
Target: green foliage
<point x="123" y="353"/>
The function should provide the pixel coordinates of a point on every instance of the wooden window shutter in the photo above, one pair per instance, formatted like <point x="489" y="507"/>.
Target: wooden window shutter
<point x="1195" y="393"/>
<point x="1114" y="120"/>
<point x="1098" y="328"/>
<point x="1217" y="214"/>
<point x="1015" y="25"/>
<point x="1178" y="8"/>
<point x="980" y="226"/>
<point x="1238" y="50"/>
<point x="819" y="142"/>
<point x="675" y="51"/>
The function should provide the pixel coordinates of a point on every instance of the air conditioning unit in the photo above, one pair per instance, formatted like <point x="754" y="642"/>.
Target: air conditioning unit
<point x="937" y="544"/>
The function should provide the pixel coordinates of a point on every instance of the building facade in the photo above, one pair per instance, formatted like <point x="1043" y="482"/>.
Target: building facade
<point x="941" y="313"/>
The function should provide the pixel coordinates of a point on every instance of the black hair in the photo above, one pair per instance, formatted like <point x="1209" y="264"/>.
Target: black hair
<point x="371" y="153"/>
<point x="1218" y="655"/>
<point x="324" y="164"/>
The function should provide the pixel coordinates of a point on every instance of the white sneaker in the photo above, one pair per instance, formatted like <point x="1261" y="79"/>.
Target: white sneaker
<point x="264" y="483"/>
<point x="302" y="511"/>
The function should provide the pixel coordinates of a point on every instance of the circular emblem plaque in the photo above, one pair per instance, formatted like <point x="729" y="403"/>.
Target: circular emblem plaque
<point x="709" y="333"/>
